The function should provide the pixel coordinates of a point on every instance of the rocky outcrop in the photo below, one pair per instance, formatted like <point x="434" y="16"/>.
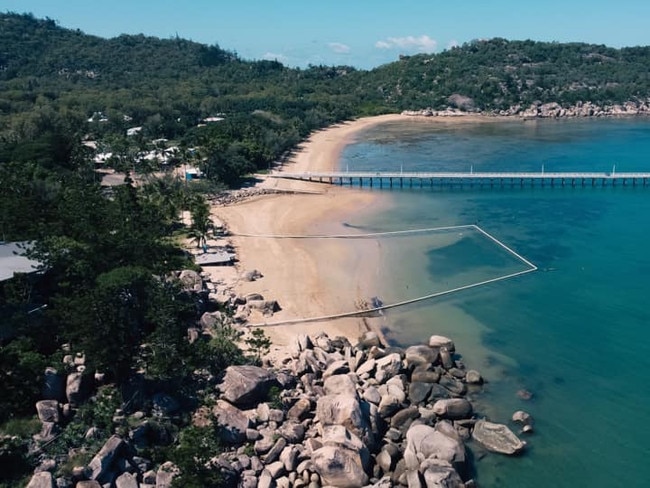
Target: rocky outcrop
<point x="497" y="437"/>
<point x="341" y="416"/>
<point x="246" y="385"/>
<point x="551" y="110"/>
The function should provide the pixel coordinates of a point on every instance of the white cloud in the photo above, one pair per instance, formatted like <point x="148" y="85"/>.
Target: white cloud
<point x="339" y="48"/>
<point x="421" y="43"/>
<point x="452" y="44"/>
<point x="275" y="57"/>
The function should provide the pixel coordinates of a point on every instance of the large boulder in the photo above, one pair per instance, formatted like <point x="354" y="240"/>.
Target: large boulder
<point x="387" y="367"/>
<point x="75" y="388"/>
<point x="497" y="438"/>
<point x="453" y="408"/>
<point x="191" y="280"/>
<point x="101" y="465"/>
<point x="340" y="384"/>
<point x="232" y="422"/>
<point x="439" y="341"/>
<point x="339" y="467"/>
<point x="43" y="479"/>
<point x="424" y="442"/>
<point x="343" y="410"/>
<point x="126" y="480"/>
<point x="53" y="385"/>
<point x="421" y="354"/>
<point x="48" y="411"/>
<point x="246" y="386"/>
<point x="442" y="477"/>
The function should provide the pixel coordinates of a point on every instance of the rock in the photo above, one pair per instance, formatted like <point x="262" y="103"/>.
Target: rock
<point x="264" y="445"/>
<point x="275" y="469"/>
<point x="126" y="480"/>
<point x="387" y="367"/>
<point x="369" y="339"/>
<point x="422" y="374"/>
<point x="453" y="408"/>
<point x="232" y="422"/>
<point x="267" y="307"/>
<point x="413" y="479"/>
<point x="191" y="280"/>
<point x="100" y="465"/>
<point x="497" y="438"/>
<point x="164" y="405"/>
<point x="289" y="458"/>
<point x="246" y="385"/>
<point x="438" y="392"/>
<point x="453" y="385"/>
<point x="443" y="477"/>
<point x="343" y="410"/>
<point x="274" y="454"/>
<point x="276" y="415"/>
<point x="372" y="395"/>
<point x="445" y="358"/>
<point x="48" y="411"/>
<point x="522" y="417"/>
<point x="473" y="378"/>
<point x="424" y="442"/>
<point x="524" y="394"/>
<point x="293" y="432"/>
<point x="337" y="368"/>
<point x="300" y="409"/>
<point x="165" y="475"/>
<point x="53" y="385"/>
<point x="420" y="355"/>
<point x="384" y="461"/>
<point x="88" y="484"/>
<point x="402" y="419"/>
<point x="266" y="480"/>
<point x="252" y="275"/>
<point x="367" y="367"/>
<point x="339" y="467"/>
<point x="388" y="405"/>
<point x="340" y="385"/>
<point x="74" y="390"/>
<point x="44" y="479"/>
<point x="419" y="392"/>
<point x="439" y="341"/>
<point x="337" y="435"/>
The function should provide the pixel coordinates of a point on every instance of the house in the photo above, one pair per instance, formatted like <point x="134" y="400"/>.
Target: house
<point x="12" y="262"/>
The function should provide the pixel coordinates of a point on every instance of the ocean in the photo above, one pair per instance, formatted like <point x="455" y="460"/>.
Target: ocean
<point x="575" y="333"/>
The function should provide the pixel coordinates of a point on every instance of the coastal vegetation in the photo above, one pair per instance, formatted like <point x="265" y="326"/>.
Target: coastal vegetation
<point x="108" y="291"/>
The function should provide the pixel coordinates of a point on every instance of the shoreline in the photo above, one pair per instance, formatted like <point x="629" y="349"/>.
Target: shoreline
<point x="312" y="277"/>
<point x="308" y="277"/>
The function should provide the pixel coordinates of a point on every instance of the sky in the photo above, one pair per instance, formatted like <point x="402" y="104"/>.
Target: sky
<point x="359" y="33"/>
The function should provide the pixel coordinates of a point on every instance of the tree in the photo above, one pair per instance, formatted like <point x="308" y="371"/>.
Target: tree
<point x="258" y="344"/>
<point x="201" y="221"/>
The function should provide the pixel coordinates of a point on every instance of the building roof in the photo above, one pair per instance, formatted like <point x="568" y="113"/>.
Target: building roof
<point x="219" y="257"/>
<point x="11" y="261"/>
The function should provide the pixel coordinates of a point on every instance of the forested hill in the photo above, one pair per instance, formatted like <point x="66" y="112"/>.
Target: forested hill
<point x="497" y="74"/>
<point x="45" y="64"/>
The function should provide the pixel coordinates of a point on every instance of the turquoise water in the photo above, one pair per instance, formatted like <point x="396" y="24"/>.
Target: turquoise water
<point x="576" y="333"/>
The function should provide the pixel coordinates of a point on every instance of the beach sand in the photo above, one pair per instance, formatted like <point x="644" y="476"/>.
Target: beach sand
<point x="311" y="277"/>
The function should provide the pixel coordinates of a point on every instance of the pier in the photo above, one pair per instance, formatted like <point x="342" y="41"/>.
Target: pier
<point x="401" y="179"/>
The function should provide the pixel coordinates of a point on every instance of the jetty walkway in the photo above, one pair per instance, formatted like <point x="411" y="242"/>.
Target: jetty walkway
<point x="491" y="179"/>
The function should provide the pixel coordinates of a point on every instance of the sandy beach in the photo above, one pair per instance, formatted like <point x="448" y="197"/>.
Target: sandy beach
<point x="310" y="277"/>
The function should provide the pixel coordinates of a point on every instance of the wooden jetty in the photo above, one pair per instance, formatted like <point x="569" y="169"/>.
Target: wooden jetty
<point x="481" y="179"/>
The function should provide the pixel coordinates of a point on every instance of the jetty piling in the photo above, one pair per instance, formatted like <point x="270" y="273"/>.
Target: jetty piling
<point x="472" y="178"/>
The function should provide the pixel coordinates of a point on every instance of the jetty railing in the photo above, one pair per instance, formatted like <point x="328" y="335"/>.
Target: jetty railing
<point x="492" y="179"/>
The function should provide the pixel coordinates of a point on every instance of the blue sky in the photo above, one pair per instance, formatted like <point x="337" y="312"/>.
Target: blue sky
<point x="361" y="33"/>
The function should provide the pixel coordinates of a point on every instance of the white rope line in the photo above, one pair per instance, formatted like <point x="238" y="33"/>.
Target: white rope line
<point x="430" y="296"/>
